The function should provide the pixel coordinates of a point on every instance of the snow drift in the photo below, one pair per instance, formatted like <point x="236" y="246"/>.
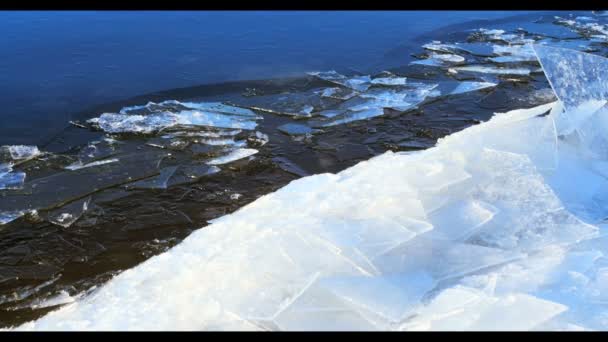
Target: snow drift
<point x="499" y="226"/>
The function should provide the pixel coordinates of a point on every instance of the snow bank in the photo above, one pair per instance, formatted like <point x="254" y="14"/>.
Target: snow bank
<point x="497" y="227"/>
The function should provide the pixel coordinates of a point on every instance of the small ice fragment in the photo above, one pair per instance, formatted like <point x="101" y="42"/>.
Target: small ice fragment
<point x="494" y="70"/>
<point x="6" y="217"/>
<point x="233" y="156"/>
<point x="23" y="152"/>
<point x="295" y="129"/>
<point x="79" y="165"/>
<point x="235" y="196"/>
<point x="9" y="179"/>
<point x="61" y="298"/>
<point x="70" y="213"/>
<point x="465" y="87"/>
<point x="258" y="139"/>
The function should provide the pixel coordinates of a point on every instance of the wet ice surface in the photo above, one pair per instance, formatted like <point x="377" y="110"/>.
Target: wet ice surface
<point x="158" y="169"/>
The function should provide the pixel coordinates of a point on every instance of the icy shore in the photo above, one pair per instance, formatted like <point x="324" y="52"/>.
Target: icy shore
<point x="498" y="227"/>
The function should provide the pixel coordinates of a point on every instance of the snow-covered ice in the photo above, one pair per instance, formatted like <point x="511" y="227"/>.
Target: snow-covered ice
<point x="498" y="227"/>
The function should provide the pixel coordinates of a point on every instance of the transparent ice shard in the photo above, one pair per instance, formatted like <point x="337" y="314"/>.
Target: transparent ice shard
<point x="69" y="213"/>
<point x="468" y="86"/>
<point x="64" y="187"/>
<point x="295" y="129"/>
<point x="577" y="78"/>
<point x="459" y="220"/>
<point x="218" y="107"/>
<point x="493" y="70"/>
<point x="156" y="182"/>
<point x="233" y="156"/>
<point x="78" y="165"/>
<point x="186" y="174"/>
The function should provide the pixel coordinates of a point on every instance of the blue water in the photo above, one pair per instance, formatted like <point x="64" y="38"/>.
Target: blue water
<point x="55" y="64"/>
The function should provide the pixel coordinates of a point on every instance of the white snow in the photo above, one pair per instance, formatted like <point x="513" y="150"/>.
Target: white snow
<point x="498" y="227"/>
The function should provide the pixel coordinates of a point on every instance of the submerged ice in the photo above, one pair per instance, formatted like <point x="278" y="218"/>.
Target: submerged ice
<point x="498" y="227"/>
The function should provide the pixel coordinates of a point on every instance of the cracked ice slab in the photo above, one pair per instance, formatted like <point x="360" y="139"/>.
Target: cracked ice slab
<point x="155" y="117"/>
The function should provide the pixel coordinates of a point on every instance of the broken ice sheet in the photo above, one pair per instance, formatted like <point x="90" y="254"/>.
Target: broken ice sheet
<point x="454" y="88"/>
<point x="514" y="53"/>
<point x="64" y="187"/>
<point x="577" y="78"/>
<point x="69" y="213"/>
<point x="186" y="174"/>
<point x="233" y="156"/>
<point x="493" y="70"/>
<point x="212" y="114"/>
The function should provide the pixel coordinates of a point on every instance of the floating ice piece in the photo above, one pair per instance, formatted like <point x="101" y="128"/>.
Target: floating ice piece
<point x="493" y="70"/>
<point x="514" y="53"/>
<point x="213" y="114"/>
<point x="440" y="59"/>
<point x="339" y="93"/>
<point x="9" y="179"/>
<point x="468" y="86"/>
<point x="79" y="165"/>
<point x="22" y="152"/>
<point x="233" y="156"/>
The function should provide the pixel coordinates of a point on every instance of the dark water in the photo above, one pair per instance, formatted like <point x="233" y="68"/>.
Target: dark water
<point x="55" y="64"/>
